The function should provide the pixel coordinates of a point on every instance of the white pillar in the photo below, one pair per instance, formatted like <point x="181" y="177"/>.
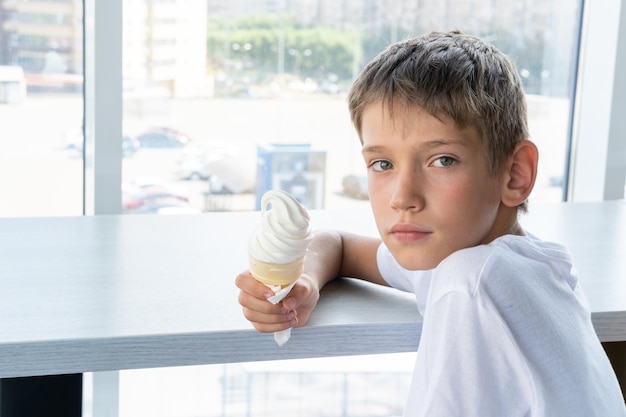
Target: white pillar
<point x="598" y="159"/>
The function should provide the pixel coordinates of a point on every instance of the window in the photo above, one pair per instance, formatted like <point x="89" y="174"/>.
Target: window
<point x="268" y="86"/>
<point x="259" y="93"/>
<point x="241" y="77"/>
<point x="41" y="108"/>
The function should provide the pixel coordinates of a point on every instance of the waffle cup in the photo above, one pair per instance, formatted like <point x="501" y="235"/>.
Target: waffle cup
<point x="276" y="275"/>
<point x="280" y="278"/>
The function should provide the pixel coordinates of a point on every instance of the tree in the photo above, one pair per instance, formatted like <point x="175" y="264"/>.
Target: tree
<point x="254" y="42"/>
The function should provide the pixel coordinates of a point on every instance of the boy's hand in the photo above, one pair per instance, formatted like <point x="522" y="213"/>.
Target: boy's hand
<point x="293" y="311"/>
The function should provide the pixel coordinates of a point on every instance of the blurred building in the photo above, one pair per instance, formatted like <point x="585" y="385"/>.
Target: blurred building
<point x="45" y="39"/>
<point x="165" y="41"/>
<point x="164" y="44"/>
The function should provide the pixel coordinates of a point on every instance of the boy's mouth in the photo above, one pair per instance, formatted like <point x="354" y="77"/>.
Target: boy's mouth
<point x="408" y="233"/>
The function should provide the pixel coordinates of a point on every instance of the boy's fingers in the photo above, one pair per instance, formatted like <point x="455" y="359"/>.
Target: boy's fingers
<point x="290" y="302"/>
<point x="295" y="297"/>
<point x="265" y="316"/>
<point x="246" y="282"/>
<point x="261" y="305"/>
<point x="300" y="293"/>
<point x="265" y="322"/>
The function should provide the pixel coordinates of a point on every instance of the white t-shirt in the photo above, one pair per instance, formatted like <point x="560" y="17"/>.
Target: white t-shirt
<point x="507" y="332"/>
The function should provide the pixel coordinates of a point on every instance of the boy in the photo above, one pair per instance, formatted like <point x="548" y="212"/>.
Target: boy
<point x="506" y="331"/>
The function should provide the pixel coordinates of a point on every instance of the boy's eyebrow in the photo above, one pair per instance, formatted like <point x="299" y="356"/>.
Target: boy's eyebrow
<point x="426" y="145"/>
<point x="372" y="149"/>
<point x="443" y="142"/>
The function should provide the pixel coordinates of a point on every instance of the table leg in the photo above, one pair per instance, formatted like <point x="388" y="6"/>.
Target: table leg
<point x="105" y="394"/>
<point x="616" y="351"/>
<point x="50" y="396"/>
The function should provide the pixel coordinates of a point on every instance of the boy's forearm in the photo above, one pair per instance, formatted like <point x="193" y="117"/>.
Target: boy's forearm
<point x="323" y="260"/>
<point x="334" y="253"/>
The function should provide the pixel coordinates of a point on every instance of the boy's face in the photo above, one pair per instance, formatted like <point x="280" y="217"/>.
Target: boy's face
<point x="429" y="186"/>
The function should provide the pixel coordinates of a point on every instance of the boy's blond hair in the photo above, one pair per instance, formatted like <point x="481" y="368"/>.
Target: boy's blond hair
<point x="451" y="74"/>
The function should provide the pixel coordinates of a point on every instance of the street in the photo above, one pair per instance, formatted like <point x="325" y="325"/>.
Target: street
<point x="40" y="176"/>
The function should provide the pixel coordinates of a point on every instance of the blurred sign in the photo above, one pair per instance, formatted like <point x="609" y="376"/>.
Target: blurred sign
<point x="294" y="168"/>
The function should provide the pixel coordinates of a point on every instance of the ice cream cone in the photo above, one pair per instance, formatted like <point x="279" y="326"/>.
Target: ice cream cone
<point x="277" y="249"/>
<point x="272" y="274"/>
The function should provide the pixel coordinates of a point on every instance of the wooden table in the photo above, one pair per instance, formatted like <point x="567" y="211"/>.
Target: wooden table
<point x="103" y="293"/>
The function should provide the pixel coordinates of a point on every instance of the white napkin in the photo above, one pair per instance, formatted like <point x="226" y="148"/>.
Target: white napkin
<point x="282" y="336"/>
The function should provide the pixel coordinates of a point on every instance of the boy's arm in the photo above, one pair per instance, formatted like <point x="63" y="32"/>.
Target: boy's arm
<point x="335" y="254"/>
<point x="331" y="254"/>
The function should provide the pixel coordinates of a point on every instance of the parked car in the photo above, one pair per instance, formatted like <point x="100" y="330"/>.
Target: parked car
<point x="196" y="159"/>
<point x="75" y="141"/>
<point x="234" y="167"/>
<point x="193" y="159"/>
<point x="130" y="145"/>
<point x="145" y="196"/>
<point x="163" y="137"/>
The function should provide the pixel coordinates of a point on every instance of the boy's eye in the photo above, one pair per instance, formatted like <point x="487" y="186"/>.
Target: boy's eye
<point x="444" y="162"/>
<point x="381" y="165"/>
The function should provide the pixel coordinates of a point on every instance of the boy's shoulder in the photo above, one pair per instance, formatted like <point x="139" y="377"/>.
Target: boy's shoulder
<point x="506" y="249"/>
<point x="509" y="262"/>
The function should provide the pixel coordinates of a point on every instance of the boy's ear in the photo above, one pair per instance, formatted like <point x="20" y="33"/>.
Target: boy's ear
<point x="521" y="174"/>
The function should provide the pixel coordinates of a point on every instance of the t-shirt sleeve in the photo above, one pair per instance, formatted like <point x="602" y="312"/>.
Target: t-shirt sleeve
<point x="392" y="272"/>
<point x="416" y="282"/>
<point x="468" y="363"/>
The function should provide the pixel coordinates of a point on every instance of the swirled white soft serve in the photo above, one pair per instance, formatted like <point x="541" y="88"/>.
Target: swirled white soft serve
<point x="277" y="248"/>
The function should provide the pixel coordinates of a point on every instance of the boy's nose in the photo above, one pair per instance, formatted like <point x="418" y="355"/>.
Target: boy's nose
<point x="407" y="195"/>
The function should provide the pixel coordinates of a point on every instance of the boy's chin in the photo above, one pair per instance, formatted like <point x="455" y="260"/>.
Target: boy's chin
<point x="410" y="263"/>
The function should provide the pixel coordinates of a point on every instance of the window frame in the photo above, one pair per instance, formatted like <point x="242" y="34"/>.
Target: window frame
<point x="597" y="158"/>
<point x="102" y="157"/>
